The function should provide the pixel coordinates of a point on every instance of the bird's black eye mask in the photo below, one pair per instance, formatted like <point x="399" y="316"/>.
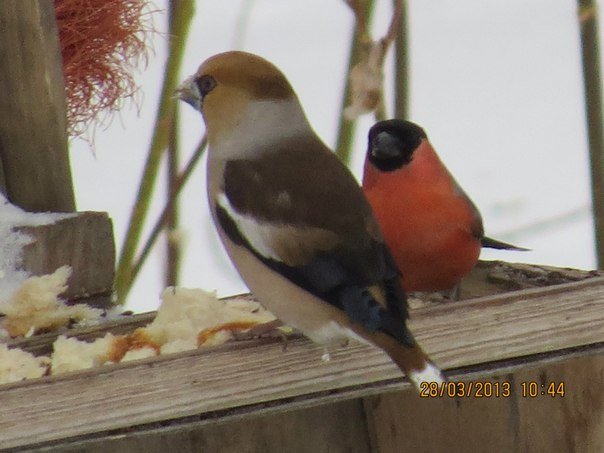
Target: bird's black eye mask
<point x="392" y="143"/>
<point x="205" y="84"/>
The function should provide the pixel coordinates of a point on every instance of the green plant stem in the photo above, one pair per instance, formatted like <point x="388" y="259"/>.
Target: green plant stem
<point x="173" y="250"/>
<point x="180" y="22"/>
<point x="401" y="64"/>
<point x="161" y="221"/>
<point x="346" y="127"/>
<point x="588" y="22"/>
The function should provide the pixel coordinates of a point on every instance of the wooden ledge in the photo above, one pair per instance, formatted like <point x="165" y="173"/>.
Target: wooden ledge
<point x="476" y="339"/>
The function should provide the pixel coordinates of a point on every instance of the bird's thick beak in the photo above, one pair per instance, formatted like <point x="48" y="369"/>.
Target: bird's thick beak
<point x="385" y="146"/>
<point x="189" y="92"/>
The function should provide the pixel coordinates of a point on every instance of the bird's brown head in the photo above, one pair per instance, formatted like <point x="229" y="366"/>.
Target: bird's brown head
<point x="226" y="84"/>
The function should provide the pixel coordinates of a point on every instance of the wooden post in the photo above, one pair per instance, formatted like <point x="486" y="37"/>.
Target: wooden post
<point x="83" y="241"/>
<point x="33" y="138"/>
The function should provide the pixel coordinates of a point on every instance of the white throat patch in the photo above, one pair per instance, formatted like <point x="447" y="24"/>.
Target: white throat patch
<point x="262" y="124"/>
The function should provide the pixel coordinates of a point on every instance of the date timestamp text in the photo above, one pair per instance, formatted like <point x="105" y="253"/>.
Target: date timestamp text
<point x="491" y="389"/>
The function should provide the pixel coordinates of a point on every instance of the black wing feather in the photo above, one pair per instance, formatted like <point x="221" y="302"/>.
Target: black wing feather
<point x="327" y="278"/>
<point x="323" y="195"/>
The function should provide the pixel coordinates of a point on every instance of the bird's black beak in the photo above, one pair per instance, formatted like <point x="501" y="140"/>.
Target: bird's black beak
<point x="385" y="146"/>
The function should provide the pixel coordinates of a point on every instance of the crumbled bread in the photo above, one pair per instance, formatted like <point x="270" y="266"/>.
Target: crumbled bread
<point x="128" y="343"/>
<point x="140" y="353"/>
<point x="186" y="319"/>
<point x="179" y="346"/>
<point x="36" y="306"/>
<point x="187" y="313"/>
<point x="71" y="354"/>
<point x="16" y="365"/>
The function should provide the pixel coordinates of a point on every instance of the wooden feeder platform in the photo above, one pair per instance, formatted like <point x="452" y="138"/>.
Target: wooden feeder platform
<point x="254" y="396"/>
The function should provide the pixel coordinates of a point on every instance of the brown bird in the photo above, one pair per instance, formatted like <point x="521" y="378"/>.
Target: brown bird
<point x="293" y="219"/>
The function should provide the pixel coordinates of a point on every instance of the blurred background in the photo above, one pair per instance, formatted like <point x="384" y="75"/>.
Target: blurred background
<point x="497" y="86"/>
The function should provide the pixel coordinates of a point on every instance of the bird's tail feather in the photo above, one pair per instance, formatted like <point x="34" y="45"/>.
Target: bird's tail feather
<point x="412" y="361"/>
<point x="500" y="245"/>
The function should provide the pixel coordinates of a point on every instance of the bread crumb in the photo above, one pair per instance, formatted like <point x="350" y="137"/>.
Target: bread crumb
<point x="35" y="306"/>
<point x="16" y="365"/>
<point x="179" y="346"/>
<point x="140" y="353"/>
<point x="71" y="354"/>
<point x="185" y="314"/>
<point x="187" y="319"/>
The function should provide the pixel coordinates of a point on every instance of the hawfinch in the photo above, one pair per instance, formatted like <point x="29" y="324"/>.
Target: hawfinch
<point x="430" y="225"/>
<point x="292" y="218"/>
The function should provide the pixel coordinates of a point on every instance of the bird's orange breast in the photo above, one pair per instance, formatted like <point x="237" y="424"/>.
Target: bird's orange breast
<point x="425" y="221"/>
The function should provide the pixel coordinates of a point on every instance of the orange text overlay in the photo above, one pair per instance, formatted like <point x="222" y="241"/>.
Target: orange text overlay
<point x="492" y="389"/>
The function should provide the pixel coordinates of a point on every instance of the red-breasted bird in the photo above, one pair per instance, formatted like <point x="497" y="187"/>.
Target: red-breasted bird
<point x="292" y="218"/>
<point x="431" y="226"/>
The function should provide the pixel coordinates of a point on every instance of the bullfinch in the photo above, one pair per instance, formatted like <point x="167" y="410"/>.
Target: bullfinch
<point x="292" y="218"/>
<point x="431" y="226"/>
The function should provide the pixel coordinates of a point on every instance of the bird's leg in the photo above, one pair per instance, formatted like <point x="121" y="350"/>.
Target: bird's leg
<point x="454" y="293"/>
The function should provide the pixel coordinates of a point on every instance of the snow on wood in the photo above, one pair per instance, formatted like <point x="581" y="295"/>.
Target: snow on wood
<point x="12" y="243"/>
<point x="40" y="243"/>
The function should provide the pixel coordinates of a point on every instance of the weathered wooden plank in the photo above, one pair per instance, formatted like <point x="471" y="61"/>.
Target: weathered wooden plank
<point x="439" y="424"/>
<point x="335" y="428"/>
<point x="179" y="431"/>
<point x="83" y="241"/>
<point x="511" y="324"/>
<point x="241" y="375"/>
<point x="572" y="423"/>
<point x="33" y="136"/>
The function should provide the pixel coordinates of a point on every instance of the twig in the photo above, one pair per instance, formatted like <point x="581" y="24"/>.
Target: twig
<point x="588" y="22"/>
<point x="401" y="63"/>
<point x="362" y="10"/>
<point x="366" y="77"/>
<point x="179" y="28"/>
<point x="346" y="127"/>
<point x="173" y="254"/>
<point x="179" y="184"/>
<point x="395" y="22"/>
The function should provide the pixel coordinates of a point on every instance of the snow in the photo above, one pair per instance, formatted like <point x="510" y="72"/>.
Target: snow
<point x="497" y="86"/>
<point x="12" y="243"/>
